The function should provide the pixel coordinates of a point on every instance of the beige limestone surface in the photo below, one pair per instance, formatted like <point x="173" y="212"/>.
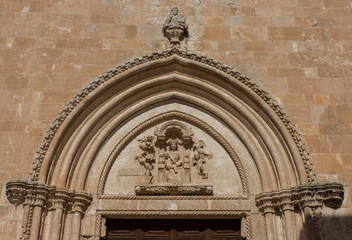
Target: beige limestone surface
<point x="300" y="51"/>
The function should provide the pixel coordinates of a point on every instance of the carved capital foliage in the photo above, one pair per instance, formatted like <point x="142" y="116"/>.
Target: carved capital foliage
<point x="61" y="198"/>
<point x="49" y="197"/>
<point x="81" y="202"/>
<point x="312" y="196"/>
<point x="16" y="192"/>
<point x="27" y="194"/>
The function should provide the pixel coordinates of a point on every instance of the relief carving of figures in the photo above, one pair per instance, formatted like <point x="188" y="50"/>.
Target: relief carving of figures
<point x="174" y="162"/>
<point x="175" y="27"/>
<point x="175" y="151"/>
<point x="147" y="158"/>
<point x="200" y="156"/>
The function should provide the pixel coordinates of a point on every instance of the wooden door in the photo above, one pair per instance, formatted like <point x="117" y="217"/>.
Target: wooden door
<point x="173" y="229"/>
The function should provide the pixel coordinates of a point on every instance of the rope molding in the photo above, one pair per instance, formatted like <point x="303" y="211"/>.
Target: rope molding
<point x="163" y="117"/>
<point x="161" y="213"/>
<point x="112" y="73"/>
<point x="248" y="228"/>
<point x="132" y="197"/>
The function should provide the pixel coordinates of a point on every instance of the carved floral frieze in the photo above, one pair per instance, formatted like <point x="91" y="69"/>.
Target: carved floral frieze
<point x="174" y="151"/>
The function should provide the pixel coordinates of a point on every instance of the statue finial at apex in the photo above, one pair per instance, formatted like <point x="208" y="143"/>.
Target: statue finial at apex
<point x="175" y="27"/>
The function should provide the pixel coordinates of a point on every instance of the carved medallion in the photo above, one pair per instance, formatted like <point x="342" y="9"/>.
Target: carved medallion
<point x="175" y="152"/>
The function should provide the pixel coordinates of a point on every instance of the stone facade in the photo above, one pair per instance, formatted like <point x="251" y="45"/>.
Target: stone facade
<point x="196" y="81"/>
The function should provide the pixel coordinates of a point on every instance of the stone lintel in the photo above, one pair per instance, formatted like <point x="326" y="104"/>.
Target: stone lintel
<point x="174" y="190"/>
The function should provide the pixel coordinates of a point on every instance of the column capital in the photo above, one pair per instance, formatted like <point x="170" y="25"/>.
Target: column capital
<point x="61" y="198"/>
<point x="36" y="194"/>
<point x="312" y="196"/>
<point x="81" y="202"/>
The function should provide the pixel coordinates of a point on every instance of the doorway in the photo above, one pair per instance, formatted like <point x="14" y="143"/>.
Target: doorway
<point x="173" y="229"/>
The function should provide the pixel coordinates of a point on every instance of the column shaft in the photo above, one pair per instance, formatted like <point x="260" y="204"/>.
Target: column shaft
<point x="36" y="222"/>
<point x="47" y="226"/>
<point x="76" y="226"/>
<point x="270" y="229"/>
<point x="290" y="225"/>
<point x="57" y="222"/>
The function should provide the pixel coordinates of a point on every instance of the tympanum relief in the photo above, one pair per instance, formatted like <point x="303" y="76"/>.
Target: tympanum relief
<point x="173" y="157"/>
<point x="175" y="152"/>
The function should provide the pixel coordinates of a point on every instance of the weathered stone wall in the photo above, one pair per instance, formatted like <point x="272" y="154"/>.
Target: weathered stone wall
<point x="298" y="50"/>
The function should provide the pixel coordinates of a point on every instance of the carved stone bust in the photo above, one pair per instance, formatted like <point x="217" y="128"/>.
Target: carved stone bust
<point x="175" y="27"/>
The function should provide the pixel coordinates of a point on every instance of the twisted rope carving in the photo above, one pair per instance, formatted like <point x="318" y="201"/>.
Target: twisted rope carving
<point x="174" y="213"/>
<point x="112" y="73"/>
<point x="248" y="228"/>
<point x="97" y="226"/>
<point x="116" y="197"/>
<point x="163" y="117"/>
<point x="28" y="223"/>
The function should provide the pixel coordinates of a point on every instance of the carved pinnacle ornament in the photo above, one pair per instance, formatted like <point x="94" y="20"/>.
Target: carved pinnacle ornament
<point x="175" y="27"/>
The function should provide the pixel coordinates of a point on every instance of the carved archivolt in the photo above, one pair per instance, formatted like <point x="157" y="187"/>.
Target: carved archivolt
<point x="163" y="117"/>
<point x="295" y="199"/>
<point x="182" y="55"/>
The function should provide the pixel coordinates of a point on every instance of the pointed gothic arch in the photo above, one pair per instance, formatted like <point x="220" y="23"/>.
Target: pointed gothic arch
<point x="79" y="151"/>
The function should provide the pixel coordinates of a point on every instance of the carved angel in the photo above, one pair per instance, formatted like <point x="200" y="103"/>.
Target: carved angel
<point x="146" y="143"/>
<point x="147" y="160"/>
<point x="200" y="156"/>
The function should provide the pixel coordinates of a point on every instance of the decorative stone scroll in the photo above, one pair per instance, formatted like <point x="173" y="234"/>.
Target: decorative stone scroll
<point x="175" y="27"/>
<point x="174" y="190"/>
<point x="174" y="152"/>
<point x="294" y="199"/>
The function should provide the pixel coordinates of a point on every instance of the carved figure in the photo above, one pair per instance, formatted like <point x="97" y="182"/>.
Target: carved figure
<point x="147" y="158"/>
<point x="146" y="143"/>
<point x="174" y="162"/>
<point x="175" y="27"/>
<point x="147" y="161"/>
<point x="200" y="156"/>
